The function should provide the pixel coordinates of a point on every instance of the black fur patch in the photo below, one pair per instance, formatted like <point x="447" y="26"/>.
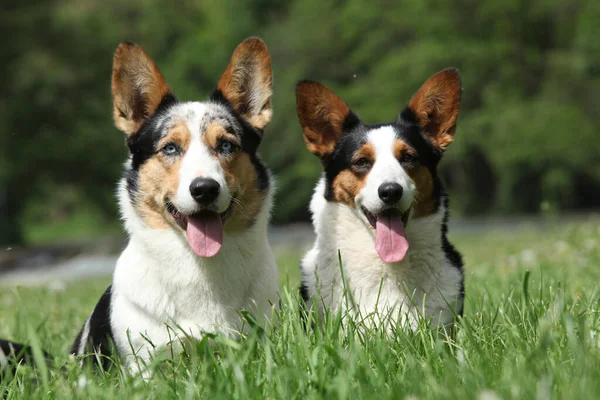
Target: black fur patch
<point x="353" y="138"/>
<point x="304" y="292"/>
<point x="17" y="353"/>
<point x="263" y="175"/>
<point x="99" y="338"/>
<point x="250" y="136"/>
<point x="142" y="144"/>
<point x="452" y="254"/>
<point x="12" y="348"/>
<point x="304" y="307"/>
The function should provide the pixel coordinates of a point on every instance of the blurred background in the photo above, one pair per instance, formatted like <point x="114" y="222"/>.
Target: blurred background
<point x="527" y="141"/>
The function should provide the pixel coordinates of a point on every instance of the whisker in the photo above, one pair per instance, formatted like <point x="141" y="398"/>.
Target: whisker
<point x="238" y="205"/>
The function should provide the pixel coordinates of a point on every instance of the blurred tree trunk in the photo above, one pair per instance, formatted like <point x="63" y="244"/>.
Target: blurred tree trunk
<point x="10" y="210"/>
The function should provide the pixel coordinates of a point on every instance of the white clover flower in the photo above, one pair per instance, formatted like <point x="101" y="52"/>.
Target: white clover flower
<point x="487" y="394"/>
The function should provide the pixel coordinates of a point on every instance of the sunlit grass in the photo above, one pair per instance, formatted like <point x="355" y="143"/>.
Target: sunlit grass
<point x="84" y="225"/>
<point x="531" y="330"/>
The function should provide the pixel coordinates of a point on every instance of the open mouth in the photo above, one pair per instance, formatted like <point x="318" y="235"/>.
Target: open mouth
<point x="204" y="229"/>
<point x="372" y="218"/>
<point x="391" y="242"/>
<point x="182" y="220"/>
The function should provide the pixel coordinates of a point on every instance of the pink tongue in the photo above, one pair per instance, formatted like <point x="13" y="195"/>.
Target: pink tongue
<point x="205" y="234"/>
<point x="390" y="238"/>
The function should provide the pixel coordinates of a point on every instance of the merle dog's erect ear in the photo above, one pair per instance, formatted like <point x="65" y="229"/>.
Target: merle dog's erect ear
<point x="436" y="106"/>
<point x="247" y="80"/>
<point x="138" y="87"/>
<point x="322" y="115"/>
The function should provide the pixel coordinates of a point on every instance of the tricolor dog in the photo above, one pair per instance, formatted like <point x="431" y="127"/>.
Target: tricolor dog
<point x="380" y="210"/>
<point x="195" y="199"/>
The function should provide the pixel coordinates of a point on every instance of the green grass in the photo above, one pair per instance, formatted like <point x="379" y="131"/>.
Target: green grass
<point x="83" y="225"/>
<point x="531" y="331"/>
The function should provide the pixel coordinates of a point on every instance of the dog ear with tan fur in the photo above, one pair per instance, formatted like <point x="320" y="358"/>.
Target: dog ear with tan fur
<point x="436" y="106"/>
<point x="322" y="115"/>
<point x="247" y="82"/>
<point x="138" y="87"/>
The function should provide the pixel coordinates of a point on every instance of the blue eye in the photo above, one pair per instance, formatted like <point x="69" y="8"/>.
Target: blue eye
<point x="170" y="149"/>
<point x="225" y="146"/>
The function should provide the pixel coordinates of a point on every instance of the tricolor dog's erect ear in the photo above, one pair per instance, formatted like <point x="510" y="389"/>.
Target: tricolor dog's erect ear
<point x="247" y="81"/>
<point x="138" y="87"/>
<point x="436" y="106"/>
<point x="322" y="115"/>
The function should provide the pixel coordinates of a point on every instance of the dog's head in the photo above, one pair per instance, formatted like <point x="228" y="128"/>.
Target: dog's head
<point x="387" y="172"/>
<point x="194" y="165"/>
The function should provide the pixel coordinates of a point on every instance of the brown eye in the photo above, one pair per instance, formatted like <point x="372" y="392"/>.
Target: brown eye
<point x="362" y="163"/>
<point x="407" y="158"/>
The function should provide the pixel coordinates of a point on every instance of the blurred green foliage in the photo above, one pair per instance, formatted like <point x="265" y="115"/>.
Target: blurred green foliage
<point x="527" y="133"/>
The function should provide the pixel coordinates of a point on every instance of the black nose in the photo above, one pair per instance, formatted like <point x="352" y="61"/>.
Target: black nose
<point x="204" y="190"/>
<point x="390" y="193"/>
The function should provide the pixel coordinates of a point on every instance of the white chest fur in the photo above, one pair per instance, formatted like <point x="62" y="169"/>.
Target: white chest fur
<point x="159" y="282"/>
<point x="424" y="284"/>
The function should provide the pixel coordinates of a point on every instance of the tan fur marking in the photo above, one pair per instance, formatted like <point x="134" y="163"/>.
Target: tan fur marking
<point x="420" y="175"/>
<point x="159" y="180"/>
<point x="178" y="134"/>
<point x="247" y="80"/>
<point x="423" y="203"/>
<point x="366" y="151"/>
<point x="321" y="113"/>
<point x="214" y="132"/>
<point x="138" y="87"/>
<point x="348" y="183"/>
<point x="437" y="105"/>
<point x="346" y="186"/>
<point x="400" y="148"/>
<point x="240" y="176"/>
